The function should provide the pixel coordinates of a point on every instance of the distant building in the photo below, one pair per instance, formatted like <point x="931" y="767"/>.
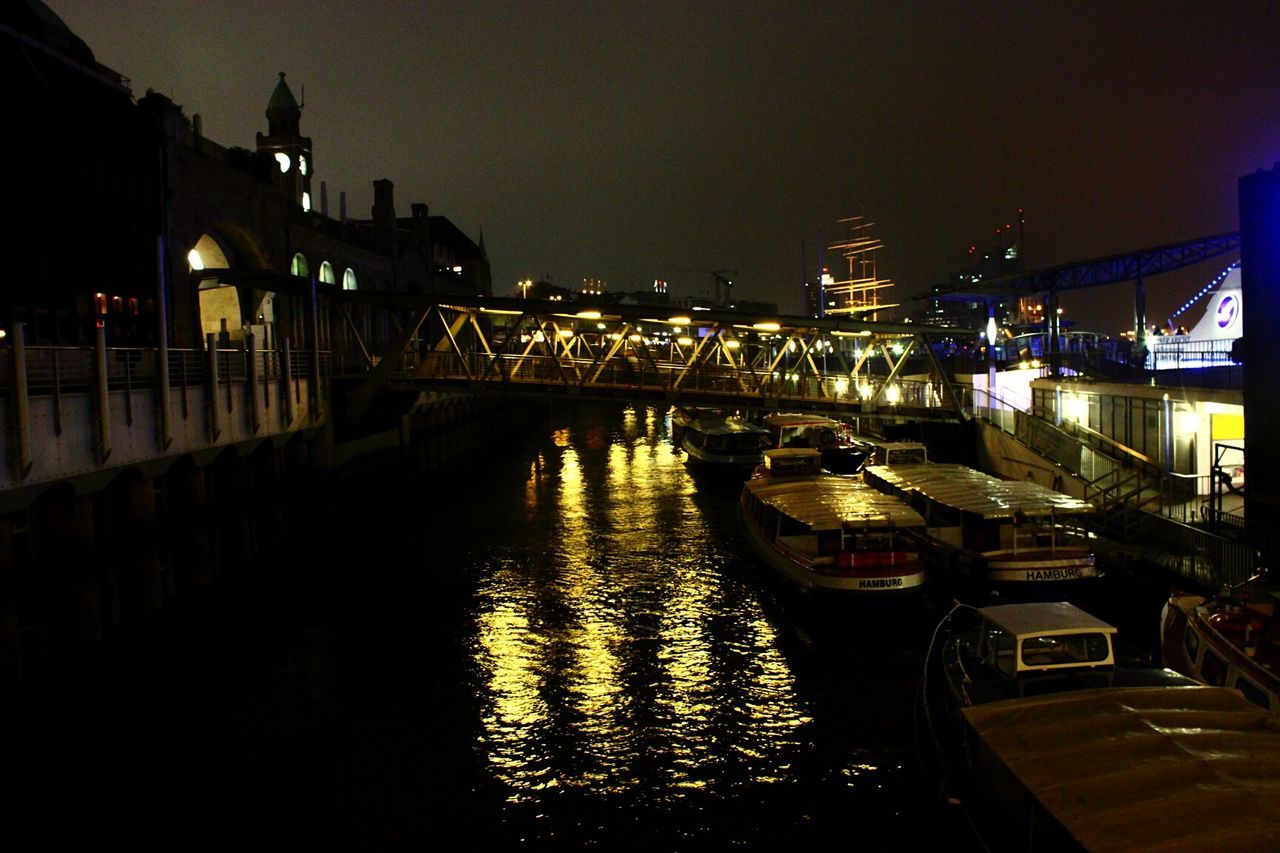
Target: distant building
<point x="128" y="207"/>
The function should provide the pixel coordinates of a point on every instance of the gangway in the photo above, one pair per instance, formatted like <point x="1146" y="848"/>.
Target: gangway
<point x="662" y="353"/>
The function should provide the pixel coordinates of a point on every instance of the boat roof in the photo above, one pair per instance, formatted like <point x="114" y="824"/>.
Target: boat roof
<point x="1152" y="768"/>
<point x="725" y="425"/>
<point x="967" y="490"/>
<point x="1043" y="618"/>
<point x="793" y="419"/>
<point x="827" y="502"/>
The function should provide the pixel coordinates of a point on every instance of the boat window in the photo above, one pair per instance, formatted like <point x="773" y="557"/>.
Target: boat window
<point x="1214" y="669"/>
<point x="999" y="650"/>
<point x="1065" y="649"/>
<point x="1252" y="692"/>
<point x="1191" y="642"/>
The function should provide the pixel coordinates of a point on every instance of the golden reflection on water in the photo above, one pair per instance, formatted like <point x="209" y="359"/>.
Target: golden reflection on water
<point x="613" y="650"/>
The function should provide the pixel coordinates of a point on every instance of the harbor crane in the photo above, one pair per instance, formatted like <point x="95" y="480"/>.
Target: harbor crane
<point x="721" y="278"/>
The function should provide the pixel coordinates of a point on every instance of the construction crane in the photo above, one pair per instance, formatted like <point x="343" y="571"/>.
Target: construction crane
<point x="721" y="278"/>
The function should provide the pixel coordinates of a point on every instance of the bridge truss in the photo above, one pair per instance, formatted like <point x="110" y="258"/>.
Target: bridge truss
<point x="657" y="353"/>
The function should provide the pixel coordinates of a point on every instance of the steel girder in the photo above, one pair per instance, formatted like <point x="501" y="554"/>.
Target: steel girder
<point x="745" y="365"/>
<point x="1096" y="273"/>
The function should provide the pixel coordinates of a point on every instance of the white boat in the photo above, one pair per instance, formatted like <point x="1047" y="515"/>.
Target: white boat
<point x="728" y="443"/>
<point x="1225" y="640"/>
<point x="882" y="452"/>
<point x="1017" y="536"/>
<point x="842" y="452"/>
<point x="829" y="533"/>
<point x="1009" y="651"/>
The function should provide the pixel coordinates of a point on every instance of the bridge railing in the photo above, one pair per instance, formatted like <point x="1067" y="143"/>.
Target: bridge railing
<point x="667" y="376"/>
<point x="53" y="370"/>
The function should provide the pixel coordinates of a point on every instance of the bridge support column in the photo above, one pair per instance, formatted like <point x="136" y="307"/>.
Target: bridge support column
<point x="1053" y="325"/>
<point x="1139" y="314"/>
<point x="211" y="385"/>
<point x="286" y="381"/>
<point x="251" y="382"/>
<point x="21" y="412"/>
<point x="102" y="402"/>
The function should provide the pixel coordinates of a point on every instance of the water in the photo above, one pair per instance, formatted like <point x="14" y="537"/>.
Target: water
<point x="566" y="646"/>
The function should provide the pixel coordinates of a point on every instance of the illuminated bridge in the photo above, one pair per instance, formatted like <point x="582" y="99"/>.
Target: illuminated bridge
<point x="651" y="353"/>
<point x="82" y="415"/>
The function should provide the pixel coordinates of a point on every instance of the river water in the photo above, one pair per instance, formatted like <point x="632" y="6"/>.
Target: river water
<point x="563" y="644"/>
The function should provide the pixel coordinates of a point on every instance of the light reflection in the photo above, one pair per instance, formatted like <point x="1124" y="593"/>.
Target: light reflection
<point x="615" y="650"/>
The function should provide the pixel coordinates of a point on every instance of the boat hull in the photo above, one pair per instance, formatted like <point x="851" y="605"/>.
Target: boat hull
<point x="874" y="582"/>
<point x="1040" y="568"/>
<point x="1202" y="638"/>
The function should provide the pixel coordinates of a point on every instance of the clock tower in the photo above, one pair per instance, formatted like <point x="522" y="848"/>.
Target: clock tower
<point x="286" y="144"/>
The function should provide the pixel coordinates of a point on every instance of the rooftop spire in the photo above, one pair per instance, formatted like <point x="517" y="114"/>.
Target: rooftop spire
<point x="283" y="112"/>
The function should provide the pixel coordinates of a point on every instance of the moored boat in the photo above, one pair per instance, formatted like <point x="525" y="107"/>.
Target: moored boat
<point x="724" y="443"/>
<point x="1047" y="744"/>
<point x="827" y="533"/>
<point x="841" y="451"/>
<point x="1017" y="537"/>
<point x="1225" y="640"/>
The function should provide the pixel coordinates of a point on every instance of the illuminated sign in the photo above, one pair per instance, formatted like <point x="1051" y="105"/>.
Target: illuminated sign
<point x="1228" y="310"/>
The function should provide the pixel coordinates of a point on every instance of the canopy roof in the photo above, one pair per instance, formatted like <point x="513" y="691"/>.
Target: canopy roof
<point x="725" y="425"/>
<point x="1150" y="768"/>
<point x="828" y="502"/>
<point x="971" y="491"/>
<point x="1043" y="619"/>
<point x="792" y="419"/>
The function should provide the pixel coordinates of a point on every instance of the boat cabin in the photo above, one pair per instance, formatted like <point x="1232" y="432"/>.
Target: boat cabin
<point x="1015" y="639"/>
<point x="724" y="440"/>
<point x="895" y="452"/>
<point x="972" y="510"/>
<point x="842" y="452"/>
<point x="792" y="462"/>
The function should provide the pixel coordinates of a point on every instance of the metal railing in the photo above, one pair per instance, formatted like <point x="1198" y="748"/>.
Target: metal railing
<point x="1135" y="497"/>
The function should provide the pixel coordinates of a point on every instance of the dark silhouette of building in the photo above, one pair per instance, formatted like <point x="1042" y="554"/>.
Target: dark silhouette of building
<point x="128" y="213"/>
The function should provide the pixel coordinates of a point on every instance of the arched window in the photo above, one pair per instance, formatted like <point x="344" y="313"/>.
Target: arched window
<point x="349" y="279"/>
<point x="326" y="273"/>
<point x="299" y="266"/>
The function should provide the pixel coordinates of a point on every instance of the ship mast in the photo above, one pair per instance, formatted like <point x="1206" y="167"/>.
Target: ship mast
<point x="858" y="294"/>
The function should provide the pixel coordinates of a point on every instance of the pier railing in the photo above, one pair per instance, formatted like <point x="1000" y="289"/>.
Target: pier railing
<point x="737" y="382"/>
<point x="1199" y="538"/>
<point x="86" y="412"/>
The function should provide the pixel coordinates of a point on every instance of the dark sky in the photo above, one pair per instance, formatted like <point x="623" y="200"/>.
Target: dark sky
<point x="629" y="141"/>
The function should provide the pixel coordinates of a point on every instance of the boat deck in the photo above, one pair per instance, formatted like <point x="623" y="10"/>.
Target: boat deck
<point x="829" y="503"/>
<point x="1152" y="768"/>
<point x="970" y="491"/>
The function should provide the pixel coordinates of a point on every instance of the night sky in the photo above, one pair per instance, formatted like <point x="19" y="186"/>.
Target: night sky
<point x="663" y="139"/>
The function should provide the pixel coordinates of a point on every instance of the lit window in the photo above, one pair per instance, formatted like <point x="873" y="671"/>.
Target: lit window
<point x="349" y="279"/>
<point x="326" y="273"/>
<point x="298" y="266"/>
<point x="306" y="201"/>
<point x="302" y="164"/>
<point x="283" y="159"/>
